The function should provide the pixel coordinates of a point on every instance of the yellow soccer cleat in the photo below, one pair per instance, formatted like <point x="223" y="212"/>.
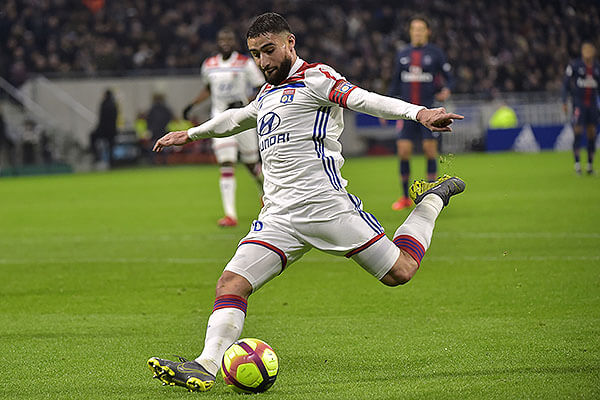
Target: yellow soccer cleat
<point x="445" y="187"/>
<point x="188" y="374"/>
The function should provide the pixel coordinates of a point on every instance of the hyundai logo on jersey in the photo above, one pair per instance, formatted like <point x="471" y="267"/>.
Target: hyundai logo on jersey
<point x="268" y="123"/>
<point x="288" y="96"/>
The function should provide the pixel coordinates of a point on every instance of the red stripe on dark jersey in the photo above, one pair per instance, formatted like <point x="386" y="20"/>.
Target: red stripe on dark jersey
<point x="587" y="96"/>
<point x="415" y="87"/>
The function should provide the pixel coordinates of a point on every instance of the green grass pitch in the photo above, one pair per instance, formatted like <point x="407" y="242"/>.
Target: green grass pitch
<point x="101" y="271"/>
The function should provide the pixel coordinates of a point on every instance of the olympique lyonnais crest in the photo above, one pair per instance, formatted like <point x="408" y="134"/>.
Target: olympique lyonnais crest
<point x="341" y="90"/>
<point x="287" y="96"/>
<point x="344" y="87"/>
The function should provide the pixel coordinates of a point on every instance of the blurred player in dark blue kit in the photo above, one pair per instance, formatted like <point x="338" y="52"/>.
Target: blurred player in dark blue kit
<point x="582" y="77"/>
<point x="421" y="74"/>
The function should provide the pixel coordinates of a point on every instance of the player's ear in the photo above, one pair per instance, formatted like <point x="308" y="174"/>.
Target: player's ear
<point x="291" y="40"/>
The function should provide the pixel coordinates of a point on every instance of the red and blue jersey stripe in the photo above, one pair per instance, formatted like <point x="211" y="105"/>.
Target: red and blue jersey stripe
<point x="411" y="246"/>
<point x="230" y="301"/>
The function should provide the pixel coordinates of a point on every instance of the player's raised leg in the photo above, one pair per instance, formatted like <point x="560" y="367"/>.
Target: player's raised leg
<point x="413" y="237"/>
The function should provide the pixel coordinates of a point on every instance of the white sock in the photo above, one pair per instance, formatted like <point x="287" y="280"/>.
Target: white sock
<point x="223" y="329"/>
<point x="227" y="185"/>
<point x="419" y="225"/>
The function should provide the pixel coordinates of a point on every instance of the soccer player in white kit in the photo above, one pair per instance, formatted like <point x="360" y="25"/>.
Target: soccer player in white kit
<point x="228" y="78"/>
<point x="298" y="117"/>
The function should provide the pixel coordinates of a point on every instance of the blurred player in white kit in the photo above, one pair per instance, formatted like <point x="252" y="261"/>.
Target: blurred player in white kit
<point x="229" y="79"/>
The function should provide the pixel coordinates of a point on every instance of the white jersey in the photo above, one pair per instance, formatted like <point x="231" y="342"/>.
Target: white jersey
<point x="299" y="123"/>
<point x="231" y="80"/>
<point x="298" y="128"/>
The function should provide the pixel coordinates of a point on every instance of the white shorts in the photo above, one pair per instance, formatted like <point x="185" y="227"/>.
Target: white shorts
<point x="341" y="228"/>
<point x="246" y="143"/>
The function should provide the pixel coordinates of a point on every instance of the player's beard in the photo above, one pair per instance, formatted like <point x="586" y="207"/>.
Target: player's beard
<point x="280" y="73"/>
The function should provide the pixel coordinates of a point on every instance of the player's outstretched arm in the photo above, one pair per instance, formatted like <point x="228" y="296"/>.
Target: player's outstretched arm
<point x="177" y="138"/>
<point x="437" y="119"/>
<point x="228" y="123"/>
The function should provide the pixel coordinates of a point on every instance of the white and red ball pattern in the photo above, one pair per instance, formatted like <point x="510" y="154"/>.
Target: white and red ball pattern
<point x="250" y="366"/>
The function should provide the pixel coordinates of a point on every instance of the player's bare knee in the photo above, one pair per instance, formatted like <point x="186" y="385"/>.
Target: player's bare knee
<point x="232" y="283"/>
<point x="402" y="271"/>
<point x="396" y="278"/>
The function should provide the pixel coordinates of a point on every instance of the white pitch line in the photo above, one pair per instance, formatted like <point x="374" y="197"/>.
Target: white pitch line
<point x="201" y="237"/>
<point x="520" y="235"/>
<point x="117" y="260"/>
<point x="118" y="238"/>
<point x="328" y="260"/>
<point x="510" y="258"/>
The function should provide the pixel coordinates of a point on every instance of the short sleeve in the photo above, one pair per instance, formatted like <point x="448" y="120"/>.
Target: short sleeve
<point x="569" y="71"/>
<point x="204" y="75"/>
<point x="255" y="76"/>
<point x="328" y="85"/>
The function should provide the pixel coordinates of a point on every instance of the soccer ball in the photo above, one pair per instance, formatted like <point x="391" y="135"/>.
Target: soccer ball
<point x="250" y="366"/>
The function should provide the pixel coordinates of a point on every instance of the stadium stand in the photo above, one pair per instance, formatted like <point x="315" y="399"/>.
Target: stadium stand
<point x="58" y="56"/>
<point x="505" y="45"/>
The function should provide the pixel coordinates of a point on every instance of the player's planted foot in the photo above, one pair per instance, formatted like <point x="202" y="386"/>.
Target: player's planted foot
<point x="227" y="221"/>
<point x="402" y="203"/>
<point x="578" y="168"/>
<point x="188" y="374"/>
<point x="590" y="169"/>
<point x="445" y="187"/>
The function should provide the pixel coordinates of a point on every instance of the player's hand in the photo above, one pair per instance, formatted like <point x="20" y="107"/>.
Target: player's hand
<point x="177" y="138"/>
<point x="437" y="119"/>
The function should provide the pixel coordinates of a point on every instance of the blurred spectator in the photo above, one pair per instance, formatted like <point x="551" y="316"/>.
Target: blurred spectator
<point x="103" y="137"/>
<point x="508" y="45"/>
<point x="32" y="141"/>
<point x="141" y="127"/>
<point x="7" y="146"/>
<point x="158" y="118"/>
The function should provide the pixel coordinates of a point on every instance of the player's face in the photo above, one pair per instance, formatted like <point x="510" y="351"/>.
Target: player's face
<point x="273" y="53"/>
<point x="226" y="43"/>
<point x="588" y="51"/>
<point x="419" y="32"/>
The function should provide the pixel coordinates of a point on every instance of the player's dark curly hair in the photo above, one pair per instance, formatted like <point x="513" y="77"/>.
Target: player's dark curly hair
<point x="268" y="23"/>
<point x="420" y="17"/>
